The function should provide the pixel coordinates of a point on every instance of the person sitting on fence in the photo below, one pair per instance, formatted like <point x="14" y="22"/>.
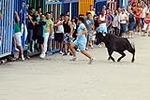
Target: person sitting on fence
<point x="17" y="35"/>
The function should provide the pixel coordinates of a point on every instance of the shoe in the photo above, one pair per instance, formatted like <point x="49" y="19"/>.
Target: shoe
<point x="73" y="59"/>
<point x="16" y="49"/>
<point x="68" y="53"/>
<point x="22" y="58"/>
<point x="28" y="51"/>
<point x="65" y="54"/>
<point x="60" y="52"/>
<point x="86" y="49"/>
<point x="100" y="45"/>
<point x="42" y="55"/>
<point x="78" y="50"/>
<point x="92" y="47"/>
<point x="91" y="60"/>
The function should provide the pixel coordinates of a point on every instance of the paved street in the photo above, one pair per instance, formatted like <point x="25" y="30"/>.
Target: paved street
<point x="57" y="78"/>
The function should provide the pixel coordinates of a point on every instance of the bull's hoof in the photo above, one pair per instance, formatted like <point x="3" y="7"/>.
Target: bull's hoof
<point x="133" y="60"/>
<point x="113" y="60"/>
<point x="118" y="60"/>
<point x="109" y="58"/>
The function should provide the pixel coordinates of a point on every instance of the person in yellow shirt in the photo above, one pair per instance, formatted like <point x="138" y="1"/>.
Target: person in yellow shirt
<point x="92" y="10"/>
<point x="49" y="26"/>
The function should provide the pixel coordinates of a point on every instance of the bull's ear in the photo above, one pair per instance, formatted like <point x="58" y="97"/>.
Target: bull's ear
<point x="104" y="34"/>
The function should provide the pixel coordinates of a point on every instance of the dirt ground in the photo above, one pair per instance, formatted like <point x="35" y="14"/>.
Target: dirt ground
<point x="58" y="78"/>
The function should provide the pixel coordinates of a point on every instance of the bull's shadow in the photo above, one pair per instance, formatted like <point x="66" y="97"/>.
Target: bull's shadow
<point x="115" y="43"/>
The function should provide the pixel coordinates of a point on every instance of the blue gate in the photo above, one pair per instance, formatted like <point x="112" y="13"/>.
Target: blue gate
<point x="99" y="5"/>
<point x="72" y="6"/>
<point x="6" y="27"/>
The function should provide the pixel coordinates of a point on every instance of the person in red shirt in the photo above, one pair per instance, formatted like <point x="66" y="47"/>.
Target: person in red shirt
<point x="138" y="13"/>
<point x="146" y="27"/>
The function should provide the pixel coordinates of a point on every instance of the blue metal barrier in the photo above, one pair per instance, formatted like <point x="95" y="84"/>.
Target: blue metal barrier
<point x="99" y="5"/>
<point x="6" y="27"/>
<point x="72" y="6"/>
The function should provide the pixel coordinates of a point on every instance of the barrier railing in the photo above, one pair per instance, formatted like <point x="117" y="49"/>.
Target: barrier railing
<point x="6" y="27"/>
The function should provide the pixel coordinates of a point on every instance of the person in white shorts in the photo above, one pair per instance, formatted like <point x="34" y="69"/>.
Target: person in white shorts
<point x="17" y="35"/>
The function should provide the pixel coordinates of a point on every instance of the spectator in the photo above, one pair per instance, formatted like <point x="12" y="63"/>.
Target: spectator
<point x="67" y="33"/>
<point x="138" y="13"/>
<point x="39" y="10"/>
<point x="108" y="21"/>
<point x="115" y="23"/>
<point x="102" y="23"/>
<point x="143" y="15"/>
<point x="90" y="27"/>
<point x="31" y="29"/>
<point x="59" y="34"/>
<point x="49" y="24"/>
<point x="123" y="23"/>
<point x="23" y="16"/>
<point x="41" y="30"/>
<point x="92" y="11"/>
<point x="74" y="27"/>
<point x="132" y="21"/>
<point x="146" y="27"/>
<point x="17" y="36"/>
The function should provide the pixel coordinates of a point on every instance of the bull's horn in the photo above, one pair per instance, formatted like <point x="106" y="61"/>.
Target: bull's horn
<point x="104" y="34"/>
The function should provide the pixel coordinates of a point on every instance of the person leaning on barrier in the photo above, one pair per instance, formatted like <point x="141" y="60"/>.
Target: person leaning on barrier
<point x="59" y="32"/>
<point x="41" y="30"/>
<point x="17" y="36"/>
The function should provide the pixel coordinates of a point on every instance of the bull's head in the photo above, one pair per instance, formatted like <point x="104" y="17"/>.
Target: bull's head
<point x="100" y="37"/>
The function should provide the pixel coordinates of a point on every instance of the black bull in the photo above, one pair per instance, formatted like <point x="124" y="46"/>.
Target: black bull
<point x="115" y="43"/>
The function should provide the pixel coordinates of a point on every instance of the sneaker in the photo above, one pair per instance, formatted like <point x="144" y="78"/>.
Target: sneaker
<point x="42" y="55"/>
<point x="91" y="60"/>
<point x="60" y="52"/>
<point x="78" y="50"/>
<point x="22" y="58"/>
<point x="65" y="54"/>
<point x="68" y="53"/>
<point x="73" y="59"/>
<point x="16" y="49"/>
<point x="100" y="45"/>
<point x="86" y="49"/>
<point x="92" y="47"/>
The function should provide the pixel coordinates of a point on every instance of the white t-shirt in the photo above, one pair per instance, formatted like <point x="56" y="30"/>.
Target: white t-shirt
<point x="60" y="28"/>
<point x="123" y="16"/>
<point x="102" y="19"/>
<point x="144" y="12"/>
<point x="115" y="21"/>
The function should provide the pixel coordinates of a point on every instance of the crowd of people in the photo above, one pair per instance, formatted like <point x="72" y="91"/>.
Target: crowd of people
<point x="78" y="33"/>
